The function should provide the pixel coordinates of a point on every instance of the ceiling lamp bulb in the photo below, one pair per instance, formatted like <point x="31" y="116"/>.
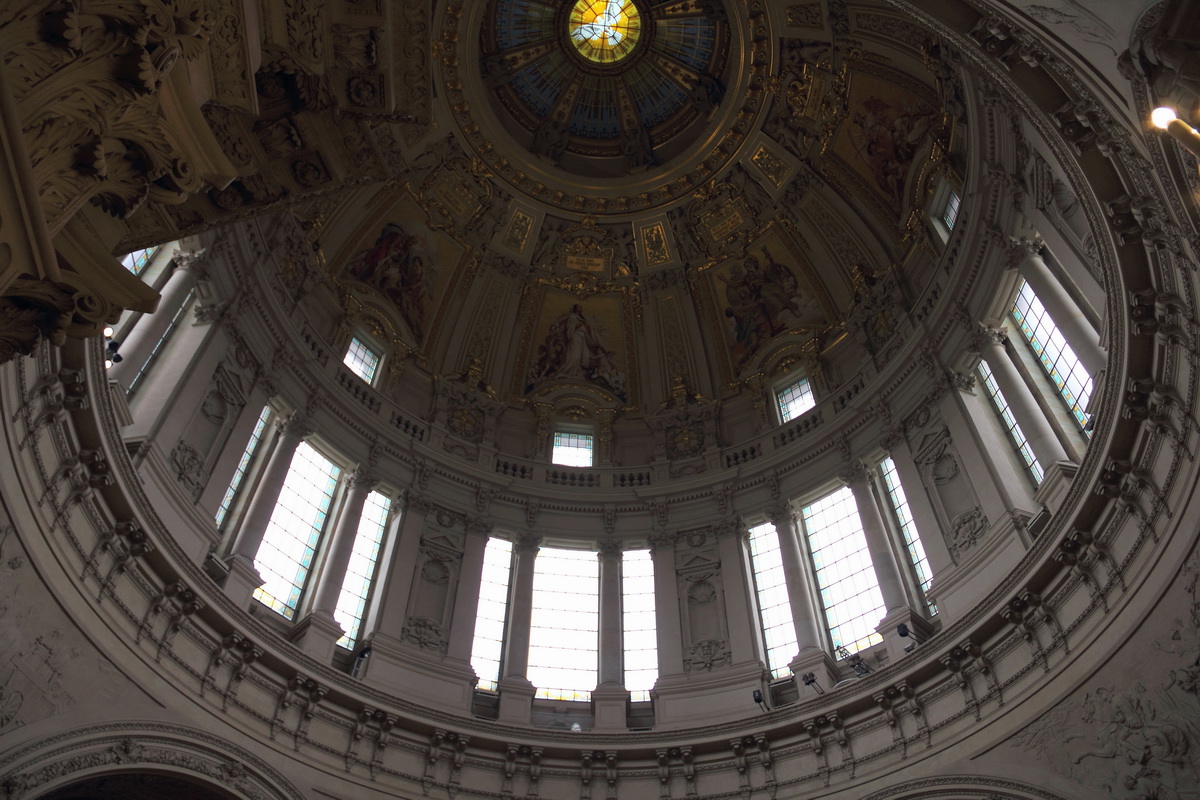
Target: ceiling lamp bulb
<point x="108" y="331"/>
<point x="1162" y="116"/>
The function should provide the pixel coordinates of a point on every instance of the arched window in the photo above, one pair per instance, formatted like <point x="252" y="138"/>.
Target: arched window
<point x="774" y="608"/>
<point x="638" y="623"/>
<point x="908" y="529"/>
<point x="1064" y="369"/>
<point x="360" y="571"/>
<point x="492" y="614"/>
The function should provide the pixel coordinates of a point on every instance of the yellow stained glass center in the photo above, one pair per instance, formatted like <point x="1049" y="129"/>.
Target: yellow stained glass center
<point x="604" y="31"/>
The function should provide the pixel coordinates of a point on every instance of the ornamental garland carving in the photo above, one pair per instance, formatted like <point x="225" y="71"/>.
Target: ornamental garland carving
<point x="703" y="656"/>
<point x="425" y="634"/>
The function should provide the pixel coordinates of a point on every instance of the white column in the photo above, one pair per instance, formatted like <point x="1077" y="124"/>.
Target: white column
<point x="388" y="628"/>
<point x="806" y="619"/>
<point x="359" y="484"/>
<point x="149" y="328"/>
<point x="243" y="578"/>
<point x="898" y="608"/>
<point x="317" y="633"/>
<point x="1037" y="429"/>
<point x="668" y="632"/>
<point x="466" y="596"/>
<point x="611" y="654"/>
<point x="883" y="557"/>
<point x="745" y="633"/>
<point x="610" y="698"/>
<point x="1074" y="326"/>
<point x="516" y="692"/>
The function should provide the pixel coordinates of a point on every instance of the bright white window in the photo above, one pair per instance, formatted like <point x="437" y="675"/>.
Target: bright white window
<point x="795" y="400"/>
<point x="1057" y="358"/>
<point x="360" y="571"/>
<point x="491" y="614"/>
<point x="1010" y="424"/>
<point x="845" y="575"/>
<point x="908" y="528"/>
<point x="563" y="638"/>
<point x="160" y="344"/>
<point x="572" y="449"/>
<point x="239" y="474"/>
<point x="774" y="608"/>
<point x="950" y="210"/>
<point x="361" y="359"/>
<point x="638" y="623"/>
<point x="136" y="261"/>
<point x="291" y="539"/>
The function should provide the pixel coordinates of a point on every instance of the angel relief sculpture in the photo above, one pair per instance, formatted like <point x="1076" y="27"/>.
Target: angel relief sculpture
<point x="399" y="266"/>
<point x="763" y="298"/>
<point x="576" y="347"/>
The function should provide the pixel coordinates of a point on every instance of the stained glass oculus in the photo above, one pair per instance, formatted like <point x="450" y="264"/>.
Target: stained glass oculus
<point x="604" y="31"/>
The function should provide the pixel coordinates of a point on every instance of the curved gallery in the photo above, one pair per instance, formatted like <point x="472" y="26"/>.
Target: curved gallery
<point x="785" y="344"/>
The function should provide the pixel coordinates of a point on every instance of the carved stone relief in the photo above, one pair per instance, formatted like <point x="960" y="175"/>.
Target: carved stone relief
<point x="950" y="490"/>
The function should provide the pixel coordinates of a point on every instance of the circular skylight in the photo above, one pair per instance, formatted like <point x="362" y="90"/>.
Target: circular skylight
<point x="604" y="31"/>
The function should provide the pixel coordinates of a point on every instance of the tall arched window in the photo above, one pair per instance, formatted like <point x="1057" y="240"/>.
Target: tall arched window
<point x="564" y="635"/>
<point x="638" y="623"/>
<point x="492" y="613"/>
<point x="774" y="608"/>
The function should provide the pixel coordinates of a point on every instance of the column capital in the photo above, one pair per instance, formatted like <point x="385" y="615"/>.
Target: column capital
<point x="780" y="512"/>
<point x="732" y="526"/>
<point x="527" y="542"/>
<point x="986" y="336"/>
<point x="298" y="424"/>
<point x="1024" y="246"/>
<point x="479" y="526"/>
<point x="609" y="548"/>
<point x="363" y="477"/>
<point x="854" y="475"/>
<point x="662" y="539"/>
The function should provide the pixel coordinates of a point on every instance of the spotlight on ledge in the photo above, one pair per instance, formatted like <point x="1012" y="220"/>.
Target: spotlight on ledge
<point x="758" y="698"/>
<point x="1166" y="119"/>
<point x="810" y="679"/>
<point x="111" y="356"/>
<point x="903" y="630"/>
<point x="861" y="668"/>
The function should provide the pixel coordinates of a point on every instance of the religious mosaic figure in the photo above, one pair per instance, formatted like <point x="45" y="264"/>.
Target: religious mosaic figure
<point x="575" y="347"/>
<point x="398" y="265"/>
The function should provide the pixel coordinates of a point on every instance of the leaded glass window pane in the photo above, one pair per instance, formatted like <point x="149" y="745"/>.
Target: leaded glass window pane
<point x="136" y="261"/>
<point x="360" y="571"/>
<point x="239" y="474"/>
<point x="908" y="528"/>
<point x="572" y="449"/>
<point x="950" y="211"/>
<point x="564" y="636"/>
<point x="774" y="607"/>
<point x="795" y="400"/>
<point x="362" y="360"/>
<point x="638" y="623"/>
<point x="290" y="542"/>
<point x="845" y="575"/>
<point x="1010" y="423"/>
<point x="492" y="613"/>
<point x="1057" y="358"/>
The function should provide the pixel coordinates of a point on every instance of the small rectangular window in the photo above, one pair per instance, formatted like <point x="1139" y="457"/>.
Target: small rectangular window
<point x="136" y="261"/>
<point x="774" y="607"/>
<point x="295" y="529"/>
<point x="565" y="631"/>
<point x="639" y="623"/>
<point x="239" y="474"/>
<point x="950" y="210"/>
<point x="491" y="613"/>
<point x="362" y="360"/>
<point x="572" y="449"/>
<point x="795" y="400"/>
<point x="1010" y="424"/>
<point x="360" y="571"/>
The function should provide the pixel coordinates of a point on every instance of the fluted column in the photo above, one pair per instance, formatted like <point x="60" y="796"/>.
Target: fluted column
<point x="516" y="692"/>
<point x="149" y="328"/>
<point x="243" y="578"/>
<point x="806" y="619"/>
<point x="1074" y="326"/>
<point x="668" y="632"/>
<point x="1037" y="429"/>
